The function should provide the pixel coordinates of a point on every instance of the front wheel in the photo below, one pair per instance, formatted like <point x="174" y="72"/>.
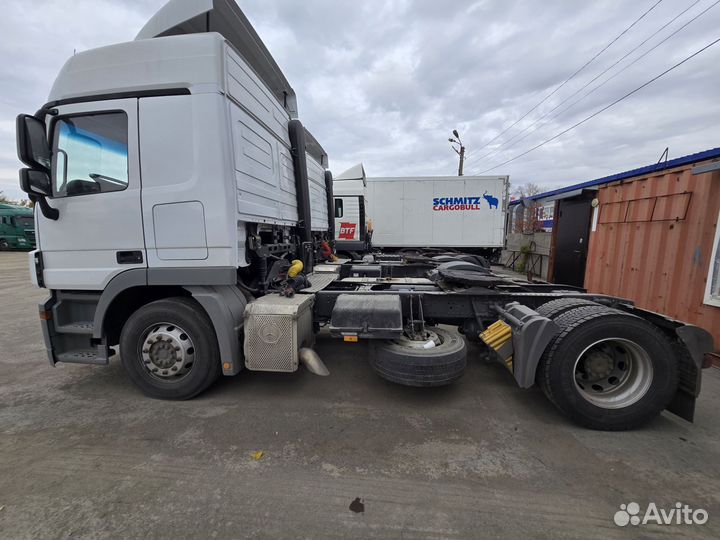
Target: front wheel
<point x="168" y="348"/>
<point x="607" y="369"/>
<point x="4" y="246"/>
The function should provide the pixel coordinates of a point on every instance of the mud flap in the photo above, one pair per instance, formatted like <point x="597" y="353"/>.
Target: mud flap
<point x="519" y="339"/>
<point x="697" y="342"/>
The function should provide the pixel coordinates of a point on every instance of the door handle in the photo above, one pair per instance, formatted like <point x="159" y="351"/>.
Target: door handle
<point x="129" y="257"/>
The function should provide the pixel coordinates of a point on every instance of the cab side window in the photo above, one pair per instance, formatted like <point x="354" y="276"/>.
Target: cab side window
<point x="90" y="154"/>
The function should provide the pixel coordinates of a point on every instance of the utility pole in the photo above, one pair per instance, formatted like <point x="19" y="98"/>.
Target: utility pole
<point x="460" y="152"/>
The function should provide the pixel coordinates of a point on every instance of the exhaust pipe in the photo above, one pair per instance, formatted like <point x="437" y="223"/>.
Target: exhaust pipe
<point x="312" y="362"/>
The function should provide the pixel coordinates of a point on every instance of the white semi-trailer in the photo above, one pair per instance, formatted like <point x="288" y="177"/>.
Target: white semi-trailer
<point x="184" y="219"/>
<point x="465" y="213"/>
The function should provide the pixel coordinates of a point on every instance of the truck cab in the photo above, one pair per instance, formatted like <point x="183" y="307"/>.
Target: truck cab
<point x="353" y="233"/>
<point x="17" y="227"/>
<point x="171" y="165"/>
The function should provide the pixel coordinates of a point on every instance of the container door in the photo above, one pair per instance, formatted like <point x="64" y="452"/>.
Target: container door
<point x="96" y="189"/>
<point x="571" y="242"/>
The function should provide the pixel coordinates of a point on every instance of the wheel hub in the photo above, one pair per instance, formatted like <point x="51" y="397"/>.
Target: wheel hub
<point x="405" y="341"/>
<point x="167" y="351"/>
<point x="162" y="354"/>
<point x="598" y="365"/>
<point x="613" y="373"/>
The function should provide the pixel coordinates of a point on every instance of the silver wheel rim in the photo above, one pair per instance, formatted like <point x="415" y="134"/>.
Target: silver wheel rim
<point x="405" y="341"/>
<point x="167" y="352"/>
<point x="613" y="373"/>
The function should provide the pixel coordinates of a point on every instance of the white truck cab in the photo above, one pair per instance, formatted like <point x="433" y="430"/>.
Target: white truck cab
<point x="353" y="233"/>
<point x="171" y="163"/>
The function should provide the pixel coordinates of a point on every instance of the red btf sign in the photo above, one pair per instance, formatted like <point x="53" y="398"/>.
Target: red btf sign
<point x="347" y="231"/>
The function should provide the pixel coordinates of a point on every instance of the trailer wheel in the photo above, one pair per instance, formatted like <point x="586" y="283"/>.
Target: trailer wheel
<point x="554" y="308"/>
<point x="607" y="369"/>
<point x="405" y="362"/>
<point x="168" y="348"/>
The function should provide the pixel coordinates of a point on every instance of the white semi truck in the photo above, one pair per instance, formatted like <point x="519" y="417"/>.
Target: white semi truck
<point x="184" y="220"/>
<point x="420" y="213"/>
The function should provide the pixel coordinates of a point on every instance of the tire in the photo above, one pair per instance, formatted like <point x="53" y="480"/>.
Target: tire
<point x="595" y="345"/>
<point x="554" y="308"/>
<point x="398" y="362"/>
<point x="4" y="246"/>
<point x="183" y="358"/>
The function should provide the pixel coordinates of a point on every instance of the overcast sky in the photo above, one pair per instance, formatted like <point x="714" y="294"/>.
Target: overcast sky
<point x="385" y="82"/>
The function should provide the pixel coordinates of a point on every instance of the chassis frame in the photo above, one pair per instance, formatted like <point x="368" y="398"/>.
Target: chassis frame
<point x="472" y="308"/>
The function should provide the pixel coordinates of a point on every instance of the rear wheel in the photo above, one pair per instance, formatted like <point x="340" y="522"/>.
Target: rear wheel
<point x="554" y="308"/>
<point x="169" y="349"/>
<point x="406" y="362"/>
<point x="607" y="369"/>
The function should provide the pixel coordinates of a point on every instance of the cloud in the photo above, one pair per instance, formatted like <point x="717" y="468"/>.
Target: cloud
<point x="385" y="82"/>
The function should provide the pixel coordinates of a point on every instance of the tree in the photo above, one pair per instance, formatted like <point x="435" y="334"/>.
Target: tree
<point x="525" y="219"/>
<point x="528" y="189"/>
<point x="22" y="202"/>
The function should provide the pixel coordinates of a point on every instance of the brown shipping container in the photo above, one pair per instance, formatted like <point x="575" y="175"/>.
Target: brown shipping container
<point x="653" y="242"/>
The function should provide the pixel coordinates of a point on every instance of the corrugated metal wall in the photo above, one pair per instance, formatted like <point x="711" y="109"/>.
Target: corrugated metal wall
<point x="653" y="242"/>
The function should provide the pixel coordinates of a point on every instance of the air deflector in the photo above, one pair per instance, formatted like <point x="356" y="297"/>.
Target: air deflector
<point x="179" y="17"/>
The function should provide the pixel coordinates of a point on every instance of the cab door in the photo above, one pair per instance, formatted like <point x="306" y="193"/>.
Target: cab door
<point x="348" y="223"/>
<point x="96" y="187"/>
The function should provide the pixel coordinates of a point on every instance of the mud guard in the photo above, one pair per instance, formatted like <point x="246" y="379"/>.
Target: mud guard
<point x="531" y="333"/>
<point x="698" y="342"/>
<point x="225" y="305"/>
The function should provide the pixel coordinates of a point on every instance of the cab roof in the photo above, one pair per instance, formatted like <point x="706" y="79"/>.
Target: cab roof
<point x="180" y="48"/>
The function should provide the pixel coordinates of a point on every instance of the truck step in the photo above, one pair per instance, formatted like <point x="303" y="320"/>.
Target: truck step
<point x="82" y="356"/>
<point x="79" y="327"/>
<point x="318" y="281"/>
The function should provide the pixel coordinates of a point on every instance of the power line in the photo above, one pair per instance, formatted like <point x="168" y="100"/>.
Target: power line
<point x="563" y="132"/>
<point x="593" y="90"/>
<point x="586" y="64"/>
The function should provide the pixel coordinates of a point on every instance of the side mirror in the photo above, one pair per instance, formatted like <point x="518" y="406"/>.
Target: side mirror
<point x="32" y="144"/>
<point x="35" y="182"/>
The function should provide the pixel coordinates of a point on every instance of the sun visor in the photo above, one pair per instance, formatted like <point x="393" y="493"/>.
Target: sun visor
<point x="224" y="17"/>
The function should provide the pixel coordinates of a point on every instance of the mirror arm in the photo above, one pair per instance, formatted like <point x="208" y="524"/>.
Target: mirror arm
<point x="40" y="114"/>
<point x="48" y="211"/>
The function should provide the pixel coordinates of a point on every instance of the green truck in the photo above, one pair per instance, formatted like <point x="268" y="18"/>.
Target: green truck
<point x="17" y="227"/>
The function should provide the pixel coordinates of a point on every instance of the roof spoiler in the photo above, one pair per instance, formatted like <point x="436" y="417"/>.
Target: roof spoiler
<point x="224" y="17"/>
<point x="356" y="172"/>
<point x="312" y="147"/>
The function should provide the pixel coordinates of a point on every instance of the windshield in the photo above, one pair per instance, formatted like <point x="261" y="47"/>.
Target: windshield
<point x="90" y="154"/>
<point x="25" y="222"/>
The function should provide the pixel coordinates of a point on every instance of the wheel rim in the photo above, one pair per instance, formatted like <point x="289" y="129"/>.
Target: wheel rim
<point x="613" y="373"/>
<point x="167" y="352"/>
<point x="405" y="341"/>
